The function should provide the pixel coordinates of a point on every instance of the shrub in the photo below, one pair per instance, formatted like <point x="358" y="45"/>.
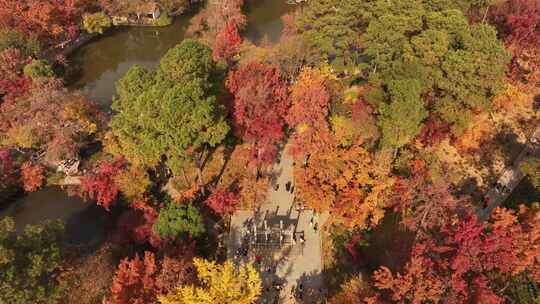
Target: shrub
<point x="10" y="39"/>
<point x="37" y="69"/>
<point x="96" y="23"/>
<point x="163" y="20"/>
<point x="179" y="220"/>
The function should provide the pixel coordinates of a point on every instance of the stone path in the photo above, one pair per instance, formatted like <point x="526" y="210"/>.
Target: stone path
<point x="510" y="178"/>
<point x="280" y="258"/>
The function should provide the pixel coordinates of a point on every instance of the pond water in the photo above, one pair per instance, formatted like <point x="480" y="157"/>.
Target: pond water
<point x="106" y="59"/>
<point x="264" y="19"/>
<point x="84" y="222"/>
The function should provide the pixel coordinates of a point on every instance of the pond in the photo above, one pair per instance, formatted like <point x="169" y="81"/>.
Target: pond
<point x="106" y="59"/>
<point x="264" y="19"/>
<point x="84" y="222"/>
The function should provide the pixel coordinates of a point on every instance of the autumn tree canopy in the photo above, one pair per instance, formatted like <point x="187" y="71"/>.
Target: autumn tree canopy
<point x="259" y="108"/>
<point x="308" y="114"/>
<point x="351" y="183"/>
<point x="468" y="267"/>
<point x="50" y="118"/>
<point x="218" y="283"/>
<point x="50" y="20"/>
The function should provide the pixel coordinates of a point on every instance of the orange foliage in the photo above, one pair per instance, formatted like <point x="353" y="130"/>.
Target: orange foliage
<point x="242" y="178"/>
<point x="480" y="131"/>
<point x="32" y="176"/>
<point x="351" y="183"/>
<point x="308" y="113"/>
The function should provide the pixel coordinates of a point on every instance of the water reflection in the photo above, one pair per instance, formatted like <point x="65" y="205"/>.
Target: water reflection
<point x="264" y="19"/>
<point x="105" y="60"/>
<point x="84" y="222"/>
<point x="102" y="62"/>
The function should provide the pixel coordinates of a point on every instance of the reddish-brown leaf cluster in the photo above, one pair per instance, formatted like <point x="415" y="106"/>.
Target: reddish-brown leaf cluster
<point x="423" y="203"/>
<point x="32" y="176"/>
<point x="215" y="17"/>
<point x="227" y="42"/>
<point x="50" y="118"/>
<point x="51" y="20"/>
<point x="259" y="108"/>
<point x="518" y="23"/>
<point x="466" y="261"/>
<point x="141" y="280"/>
<point x="8" y="169"/>
<point x="222" y="201"/>
<point x="135" y="225"/>
<point x="523" y="23"/>
<point x="308" y="114"/>
<point x="13" y="83"/>
<point x="100" y="185"/>
<point x="433" y="131"/>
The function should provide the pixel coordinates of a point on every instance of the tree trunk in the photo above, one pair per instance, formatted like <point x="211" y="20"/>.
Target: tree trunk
<point x="199" y="162"/>
<point x="200" y="178"/>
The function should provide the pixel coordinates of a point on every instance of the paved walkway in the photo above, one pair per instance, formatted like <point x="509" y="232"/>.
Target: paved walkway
<point x="510" y="178"/>
<point x="281" y="260"/>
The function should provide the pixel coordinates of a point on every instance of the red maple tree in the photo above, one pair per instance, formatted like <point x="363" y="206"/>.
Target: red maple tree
<point x="310" y="100"/>
<point x="134" y="281"/>
<point x="101" y="185"/>
<point x="227" y="42"/>
<point x="13" y="83"/>
<point x="523" y="23"/>
<point x="259" y="108"/>
<point x="215" y="17"/>
<point x="461" y="261"/>
<point x="141" y="280"/>
<point x="222" y="201"/>
<point x="32" y="176"/>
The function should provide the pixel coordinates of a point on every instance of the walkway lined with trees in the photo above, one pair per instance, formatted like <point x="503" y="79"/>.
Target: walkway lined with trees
<point x="288" y="252"/>
<point x="510" y="178"/>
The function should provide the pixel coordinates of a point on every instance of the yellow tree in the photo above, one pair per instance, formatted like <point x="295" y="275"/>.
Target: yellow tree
<point x="218" y="284"/>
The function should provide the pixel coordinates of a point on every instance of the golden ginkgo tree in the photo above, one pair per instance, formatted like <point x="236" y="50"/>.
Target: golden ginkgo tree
<point x="218" y="283"/>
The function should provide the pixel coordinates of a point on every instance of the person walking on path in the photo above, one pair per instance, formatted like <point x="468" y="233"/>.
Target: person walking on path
<point x="288" y="186"/>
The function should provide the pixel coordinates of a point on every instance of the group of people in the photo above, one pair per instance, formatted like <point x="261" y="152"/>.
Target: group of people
<point x="288" y="186"/>
<point x="500" y="188"/>
<point x="301" y="238"/>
